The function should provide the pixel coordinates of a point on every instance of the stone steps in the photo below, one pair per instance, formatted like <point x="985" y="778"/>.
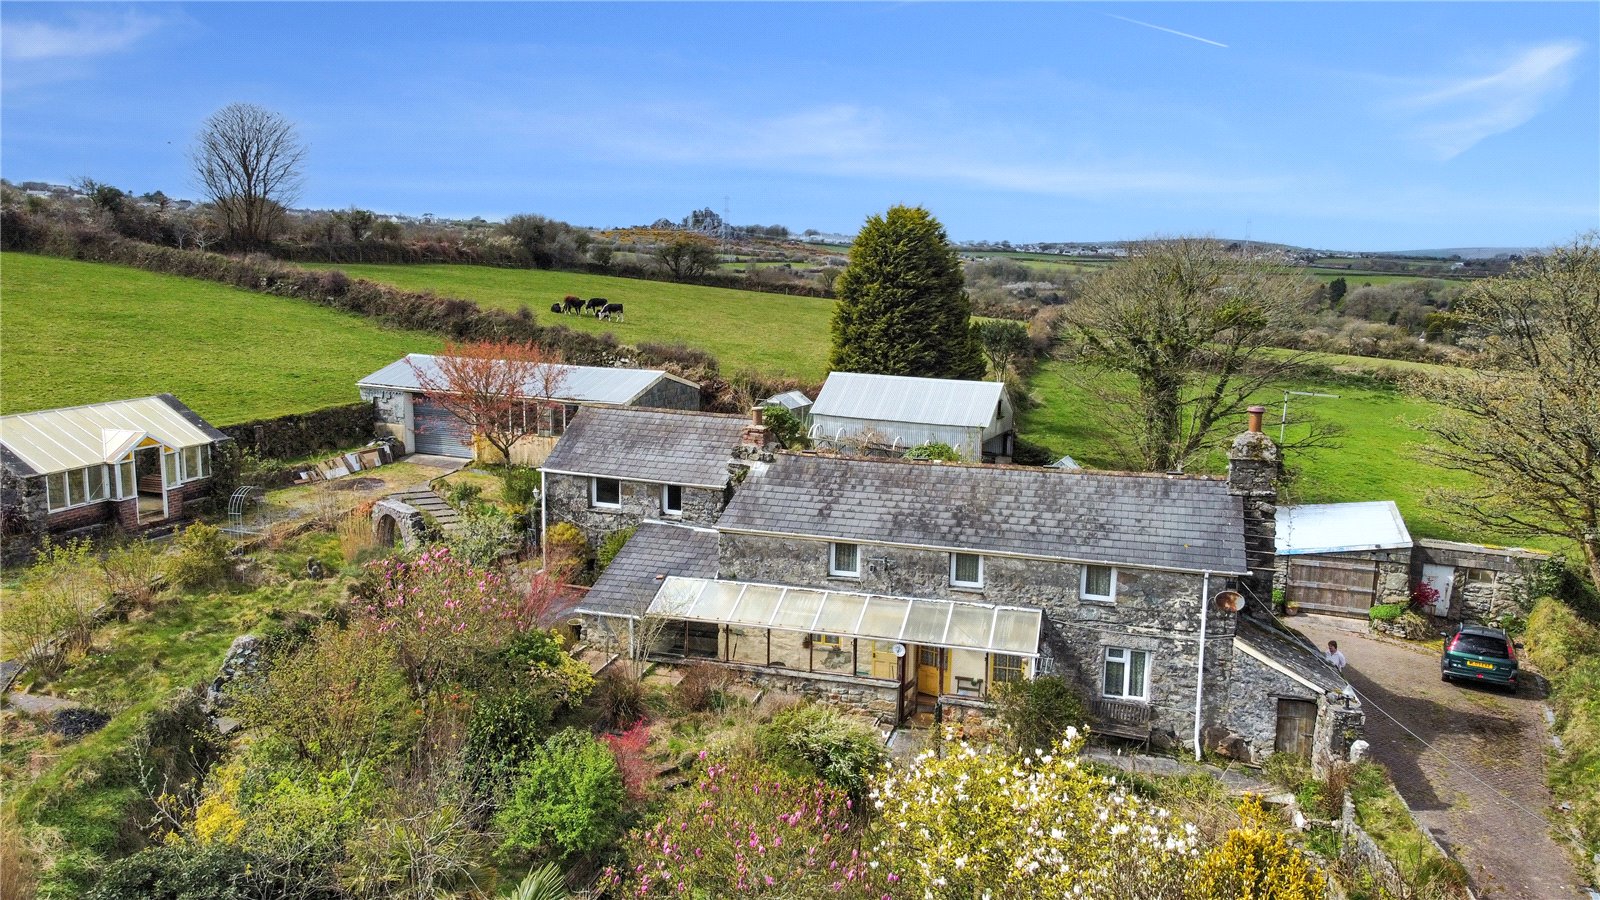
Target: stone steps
<point x="432" y="504"/>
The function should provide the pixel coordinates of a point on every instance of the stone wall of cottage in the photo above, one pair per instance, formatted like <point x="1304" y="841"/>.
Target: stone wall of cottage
<point x="1157" y="612"/>
<point x="1253" y="694"/>
<point x="566" y="499"/>
<point x="670" y="394"/>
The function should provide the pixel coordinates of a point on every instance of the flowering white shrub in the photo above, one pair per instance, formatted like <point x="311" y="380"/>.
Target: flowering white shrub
<point x="981" y="822"/>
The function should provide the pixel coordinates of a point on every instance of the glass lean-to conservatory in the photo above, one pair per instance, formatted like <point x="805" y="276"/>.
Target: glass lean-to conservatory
<point x="943" y="647"/>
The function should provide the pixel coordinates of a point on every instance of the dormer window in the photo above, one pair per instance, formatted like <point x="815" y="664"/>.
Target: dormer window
<point x="966" y="570"/>
<point x="844" y="560"/>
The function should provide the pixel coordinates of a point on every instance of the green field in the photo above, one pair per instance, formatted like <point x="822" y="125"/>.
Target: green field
<point x="748" y="331"/>
<point x="78" y="332"/>
<point x="1377" y="458"/>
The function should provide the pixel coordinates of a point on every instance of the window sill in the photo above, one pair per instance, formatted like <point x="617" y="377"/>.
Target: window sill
<point x="835" y="576"/>
<point x="617" y="508"/>
<point x="967" y="588"/>
<point x="1098" y="601"/>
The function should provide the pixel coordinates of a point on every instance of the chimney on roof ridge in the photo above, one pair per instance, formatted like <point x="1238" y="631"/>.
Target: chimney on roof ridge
<point x="1254" y="468"/>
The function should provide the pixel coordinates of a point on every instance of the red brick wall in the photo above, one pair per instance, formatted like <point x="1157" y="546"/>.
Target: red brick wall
<point x="181" y="504"/>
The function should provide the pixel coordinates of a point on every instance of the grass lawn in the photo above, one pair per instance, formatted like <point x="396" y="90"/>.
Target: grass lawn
<point x="746" y="330"/>
<point x="1377" y="458"/>
<point x="80" y="332"/>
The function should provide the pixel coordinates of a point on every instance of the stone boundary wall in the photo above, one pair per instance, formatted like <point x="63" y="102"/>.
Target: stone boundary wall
<point x="303" y="434"/>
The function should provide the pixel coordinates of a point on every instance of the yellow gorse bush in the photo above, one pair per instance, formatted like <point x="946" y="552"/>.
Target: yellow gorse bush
<point x="1256" y="862"/>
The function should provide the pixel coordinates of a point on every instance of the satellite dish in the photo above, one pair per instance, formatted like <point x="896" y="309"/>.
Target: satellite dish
<point x="1229" y="601"/>
<point x="899" y="649"/>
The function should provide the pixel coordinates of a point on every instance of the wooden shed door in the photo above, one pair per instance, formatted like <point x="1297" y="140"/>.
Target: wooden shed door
<point x="1297" y="727"/>
<point x="1343" y="587"/>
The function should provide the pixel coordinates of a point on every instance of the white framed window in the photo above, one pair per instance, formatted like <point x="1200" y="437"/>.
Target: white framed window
<point x="844" y="560"/>
<point x="127" y="481"/>
<point x="196" y="462"/>
<point x="1127" y="674"/>
<point x="169" y="462"/>
<point x="1098" y="583"/>
<point x="672" y="499"/>
<point x="966" y="570"/>
<point x="605" y="493"/>
<point x="55" y="488"/>
<point x="77" y="487"/>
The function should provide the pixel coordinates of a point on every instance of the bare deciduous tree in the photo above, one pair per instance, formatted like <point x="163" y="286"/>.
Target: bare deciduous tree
<point x="1527" y="424"/>
<point x="249" y="160"/>
<point x="1192" y="324"/>
<point x="500" y="390"/>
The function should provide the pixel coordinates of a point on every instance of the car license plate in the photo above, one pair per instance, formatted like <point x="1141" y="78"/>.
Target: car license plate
<point x="1472" y="663"/>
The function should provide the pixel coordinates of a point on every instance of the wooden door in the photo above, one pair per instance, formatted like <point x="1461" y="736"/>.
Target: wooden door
<point x="884" y="663"/>
<point x="1297" y="727"/>
<point x="1341" y="586"/>
<point x="930" y="670"/>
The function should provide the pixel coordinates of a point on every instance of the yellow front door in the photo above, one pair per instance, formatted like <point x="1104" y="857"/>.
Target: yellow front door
<point x="930" y="670"/>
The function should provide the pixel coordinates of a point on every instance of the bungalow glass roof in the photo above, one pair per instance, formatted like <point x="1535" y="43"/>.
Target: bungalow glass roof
<point x="955" y="624"/>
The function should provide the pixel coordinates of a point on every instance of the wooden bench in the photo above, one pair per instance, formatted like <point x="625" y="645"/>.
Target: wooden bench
<point x="150" y="484"/>
<point x="1121" y="718"/>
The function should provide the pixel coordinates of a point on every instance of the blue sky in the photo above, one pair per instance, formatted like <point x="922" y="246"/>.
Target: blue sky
<point x="1353" y="125"/>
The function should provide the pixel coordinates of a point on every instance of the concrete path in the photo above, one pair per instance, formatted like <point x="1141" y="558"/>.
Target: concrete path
<point x="1481" y="792"/>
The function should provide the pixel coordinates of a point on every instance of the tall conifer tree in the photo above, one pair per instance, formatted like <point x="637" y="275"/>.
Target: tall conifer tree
<point x="903" y="306"/>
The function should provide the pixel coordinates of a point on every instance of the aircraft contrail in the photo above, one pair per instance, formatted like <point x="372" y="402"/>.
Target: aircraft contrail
<point x="1191" y="37"/>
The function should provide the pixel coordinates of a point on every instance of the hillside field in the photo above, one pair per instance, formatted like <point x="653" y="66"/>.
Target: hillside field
<point x="80" y="332"/>
<point x="748" y="331"/>
<point x="1377" y="457"/>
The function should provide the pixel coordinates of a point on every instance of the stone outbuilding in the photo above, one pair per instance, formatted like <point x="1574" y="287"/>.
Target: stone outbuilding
<point x="1284" y="697"/>
<point x="618" y="466"/>
<point x="1343" y="558"/>
<point x="133" y="464"/>
<point x="888" y="414"/>
<point x="423" y="426"/>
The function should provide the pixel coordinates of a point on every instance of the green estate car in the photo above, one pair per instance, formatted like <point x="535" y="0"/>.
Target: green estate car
<point x="1477" y="653"/>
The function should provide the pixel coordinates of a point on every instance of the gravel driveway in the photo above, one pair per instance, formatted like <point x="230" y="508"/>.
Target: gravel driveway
<point x="1498" y="737"/>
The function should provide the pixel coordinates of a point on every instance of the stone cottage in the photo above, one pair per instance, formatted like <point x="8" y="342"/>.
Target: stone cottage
<point x="618" y="466"/>
<point x="902" y="587"/>
<point x="134" y="464"/>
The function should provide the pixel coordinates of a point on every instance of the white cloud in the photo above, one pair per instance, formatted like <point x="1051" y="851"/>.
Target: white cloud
<point x="1448" y="120"/>
<point x="83" y="35"/>
<point x="871" y="142"/>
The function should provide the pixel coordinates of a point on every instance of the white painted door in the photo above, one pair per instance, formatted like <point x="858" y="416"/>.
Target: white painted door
<point x="1443" y="580"/>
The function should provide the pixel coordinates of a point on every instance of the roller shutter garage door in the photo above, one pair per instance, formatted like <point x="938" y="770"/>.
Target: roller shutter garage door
<point x="438" y="432"/>
<point x="1341" y="586"/>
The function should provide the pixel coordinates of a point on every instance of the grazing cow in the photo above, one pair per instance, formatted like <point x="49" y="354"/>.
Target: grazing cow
<point x="571" y="304"/>
<point x="610" y="311"/>
<point x="556" y="307"/>
<point x="595" y="304"/>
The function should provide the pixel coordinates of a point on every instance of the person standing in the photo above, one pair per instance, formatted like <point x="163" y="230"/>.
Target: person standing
<point x="1334" y="657"/>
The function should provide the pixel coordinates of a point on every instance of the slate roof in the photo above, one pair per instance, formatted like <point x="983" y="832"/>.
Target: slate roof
<point x="659" y="445"/>
<point x="897" y="398"/>
<point x="581" y="384"/>
<point x="1152" y="521"/>
<point x="656" y="550"/>
<point x="1289" y="651"/>
<point x="1340" y="528"/>
<point x="58" y="440"/>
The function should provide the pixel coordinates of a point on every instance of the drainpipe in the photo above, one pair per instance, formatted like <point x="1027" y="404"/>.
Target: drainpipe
<point x="544" y="547"/>
<point x="1200" y="671"/>
<point x="633" y="653"/>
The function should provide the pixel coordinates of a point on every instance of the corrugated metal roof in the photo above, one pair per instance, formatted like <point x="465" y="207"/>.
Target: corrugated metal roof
<point x="58" y="440"/>
<point x="897" y="398"/>
<point x="582" y="384"/>
<point x="1341" y="528"/>
<point x="790" y="400"/>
